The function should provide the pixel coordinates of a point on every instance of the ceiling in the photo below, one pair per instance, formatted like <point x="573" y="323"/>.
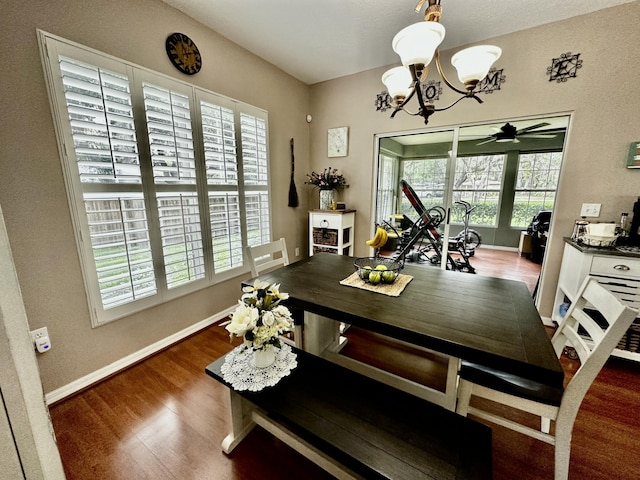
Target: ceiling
<point x="318" y="40"/>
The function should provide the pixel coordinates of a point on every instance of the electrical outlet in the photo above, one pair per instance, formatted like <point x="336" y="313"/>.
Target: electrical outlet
<point x="41" y="340"/>
<point x="39" y="333"/>
<point x="590" y="210"/>
<point x="297" y="251"/>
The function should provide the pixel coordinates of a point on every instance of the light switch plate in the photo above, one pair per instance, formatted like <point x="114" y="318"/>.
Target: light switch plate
<point x="590" y="210"/>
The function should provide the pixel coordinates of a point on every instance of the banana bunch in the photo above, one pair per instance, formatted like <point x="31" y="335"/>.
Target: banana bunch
<point x="379" y="239"/>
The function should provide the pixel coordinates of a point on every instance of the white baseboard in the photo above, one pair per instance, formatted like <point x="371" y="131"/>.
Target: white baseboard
<point x="498" y="247"/>
<point x="547" y="321"/>
<point x="119" y="365"/>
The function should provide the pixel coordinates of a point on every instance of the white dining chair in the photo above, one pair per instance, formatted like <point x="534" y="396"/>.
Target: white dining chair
<point x="266" y="257"/>
<point x="592" y="338"/>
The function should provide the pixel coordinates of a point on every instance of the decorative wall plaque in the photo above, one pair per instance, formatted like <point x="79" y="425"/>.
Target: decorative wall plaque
<point x="383" y="101"/>
<point x="492" y="82"/>
<point x="564" y="67"/>
<point x="431" y="90"/>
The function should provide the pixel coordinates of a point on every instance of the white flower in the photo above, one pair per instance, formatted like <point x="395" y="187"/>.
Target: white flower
<point x="275" y="291"/>
<point x="268" y="319"/>
<point x="257" y="285"/>
<point x="281" y="312"/>
<point x="243" y="319"/>
<point x="259" y="317"/>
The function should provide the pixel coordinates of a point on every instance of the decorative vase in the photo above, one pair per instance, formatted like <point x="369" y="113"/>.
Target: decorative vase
<point x="327" y="199"/>
<point x="264" y="357"/>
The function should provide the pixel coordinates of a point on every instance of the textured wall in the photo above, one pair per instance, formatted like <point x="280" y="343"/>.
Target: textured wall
<point x="32" y="192"/>
<point x="602" y="99"/>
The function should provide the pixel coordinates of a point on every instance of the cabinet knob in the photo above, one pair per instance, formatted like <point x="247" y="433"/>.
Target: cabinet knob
<point x="624" y="268"/>
<point x="324" y="224"/>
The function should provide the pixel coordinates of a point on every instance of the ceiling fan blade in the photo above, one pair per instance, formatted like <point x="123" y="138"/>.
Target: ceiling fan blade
<point x="487" y="141"/>
<point x="532" y="127"/>
<point x="540" y="135"/>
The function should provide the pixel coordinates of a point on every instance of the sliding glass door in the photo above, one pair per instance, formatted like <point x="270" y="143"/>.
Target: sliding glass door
<point x="425" y="162"/>
<point x="507" y="171"/>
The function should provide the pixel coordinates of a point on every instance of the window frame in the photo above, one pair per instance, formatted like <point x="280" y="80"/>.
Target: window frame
<point x="463" y="194"/>
<point x="529" y="191"/>
<point x="51" y="47"/>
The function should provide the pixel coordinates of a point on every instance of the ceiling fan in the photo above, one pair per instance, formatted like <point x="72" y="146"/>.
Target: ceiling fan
<point x="510" y="133"/>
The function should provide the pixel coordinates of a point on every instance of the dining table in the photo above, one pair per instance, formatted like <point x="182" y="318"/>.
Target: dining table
<point x="485" y="320"/>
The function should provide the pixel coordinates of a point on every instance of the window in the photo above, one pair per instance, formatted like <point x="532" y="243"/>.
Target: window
<point x="166" y="181"/>
<point x="478" y="180"/>
<point x="385" y="203"/>
<point x="536" y="184"/>
<point x="427" y="177"/>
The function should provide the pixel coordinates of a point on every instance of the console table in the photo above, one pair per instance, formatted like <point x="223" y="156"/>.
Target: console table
<point x="331" y="231"/>
<point x="617" y="270"/>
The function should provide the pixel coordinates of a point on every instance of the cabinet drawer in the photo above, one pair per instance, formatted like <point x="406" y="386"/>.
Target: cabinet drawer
<point x="616" y="267"/>
<point x="326" y="221"/>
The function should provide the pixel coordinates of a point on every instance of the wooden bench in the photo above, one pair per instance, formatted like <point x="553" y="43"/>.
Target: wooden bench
<point x="356" y="427"/>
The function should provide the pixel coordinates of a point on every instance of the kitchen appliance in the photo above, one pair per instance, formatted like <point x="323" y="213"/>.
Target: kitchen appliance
<point x="634" y="235"/>
<point x="599" y="235"/>
<point x="579" y="230"/>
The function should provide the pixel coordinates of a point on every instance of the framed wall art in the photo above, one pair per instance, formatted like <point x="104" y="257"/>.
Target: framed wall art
<point x="338" y="142"/>
<point x="633" y="160"/>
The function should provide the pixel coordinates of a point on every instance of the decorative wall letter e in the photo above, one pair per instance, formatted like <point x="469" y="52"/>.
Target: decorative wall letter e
<point x="564" y="67"/>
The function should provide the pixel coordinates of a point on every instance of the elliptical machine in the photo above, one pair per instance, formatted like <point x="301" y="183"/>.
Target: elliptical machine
<point x="469" y="237"/>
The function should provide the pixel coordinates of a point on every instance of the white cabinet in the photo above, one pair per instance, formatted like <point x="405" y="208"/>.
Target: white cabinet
<point x="617" y="271"/>
<point x="331" y="231"/>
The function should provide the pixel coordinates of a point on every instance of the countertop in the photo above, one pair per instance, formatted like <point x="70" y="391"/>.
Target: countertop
<point x="614" y="251"/>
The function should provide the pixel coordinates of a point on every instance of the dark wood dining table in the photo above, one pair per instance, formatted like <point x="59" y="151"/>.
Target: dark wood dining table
<point x="486" y="320"/>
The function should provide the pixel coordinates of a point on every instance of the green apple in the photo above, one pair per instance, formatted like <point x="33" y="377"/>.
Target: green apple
<point x="388" y="276"/>
<point x="381" y="267"/>
<point x="375" y="277"/>
<point x="364" y="272"/>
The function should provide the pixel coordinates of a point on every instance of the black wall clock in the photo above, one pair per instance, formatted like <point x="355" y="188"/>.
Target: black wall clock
<point x="183" y="53"/>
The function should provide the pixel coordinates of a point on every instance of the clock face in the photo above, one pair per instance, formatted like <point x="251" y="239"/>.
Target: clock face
<point x="337" y="142"/>
<point x="183" y="53"/>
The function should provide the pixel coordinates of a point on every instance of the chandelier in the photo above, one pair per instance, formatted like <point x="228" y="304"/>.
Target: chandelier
<point x="417" y="45"/>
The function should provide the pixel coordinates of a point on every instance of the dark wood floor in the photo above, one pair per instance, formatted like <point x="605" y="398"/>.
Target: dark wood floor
<point x="165" y="419"/>
<point x="502" y="264"/>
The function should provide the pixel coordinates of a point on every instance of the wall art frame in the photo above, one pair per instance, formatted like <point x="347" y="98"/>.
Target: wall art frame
<point x="633" y="159"/>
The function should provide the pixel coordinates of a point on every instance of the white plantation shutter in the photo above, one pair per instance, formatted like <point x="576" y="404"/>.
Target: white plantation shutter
<point x="226" y="230"/>
<point x="221" y="159"/>
<point x="255" y="164"/>
<point x="160" y="204"/>
<point x="104" y="139"/>
<point x="170" y="135"/>
<point x="171" y="147"/>
<point x="101" y="117"/>
<point x="220" y="153"/>
<point x="181" y="238"/>
<point x="121" y="247"/>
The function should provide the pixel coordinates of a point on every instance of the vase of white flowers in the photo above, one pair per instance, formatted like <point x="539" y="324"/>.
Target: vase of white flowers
<point x="260" y="319"/>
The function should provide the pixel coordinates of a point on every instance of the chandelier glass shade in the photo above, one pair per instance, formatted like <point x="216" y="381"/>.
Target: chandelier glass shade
<point x="418" y="42"/>
<point x="417" y="45"/>
<point x="474" y="63"/>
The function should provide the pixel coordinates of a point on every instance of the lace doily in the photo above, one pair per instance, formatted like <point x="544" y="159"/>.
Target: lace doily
<point x="238" y="368"/>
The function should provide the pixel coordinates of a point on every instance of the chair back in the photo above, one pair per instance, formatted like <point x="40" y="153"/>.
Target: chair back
<point x="593" y="326"/>
<point x="267" y="256"/>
